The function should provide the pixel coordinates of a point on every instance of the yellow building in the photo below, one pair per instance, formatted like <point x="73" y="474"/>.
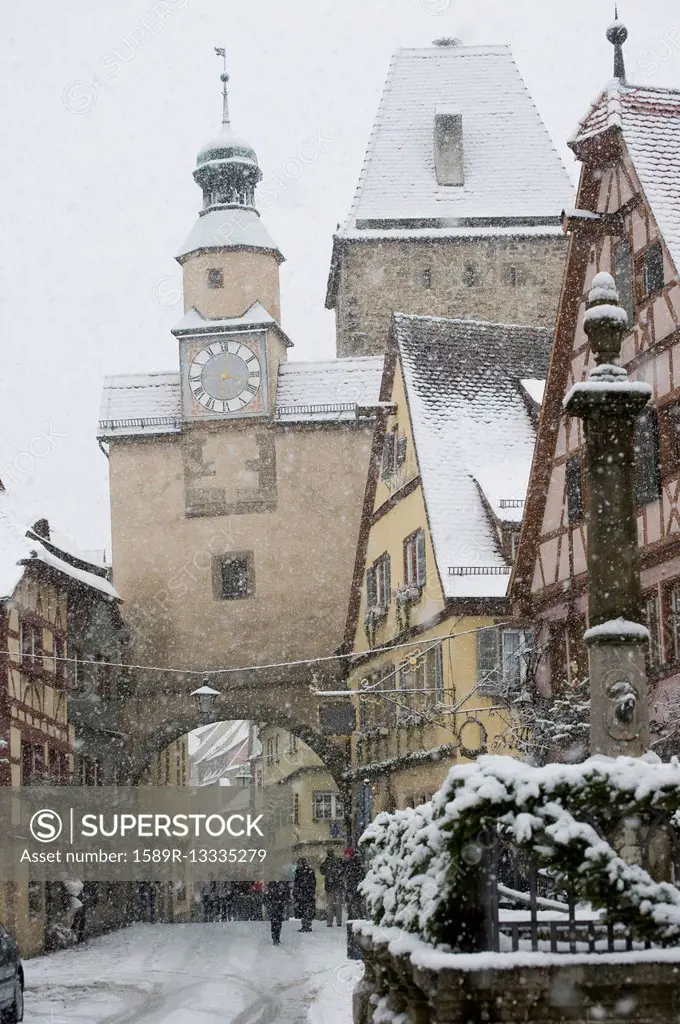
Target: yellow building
<point x="318" y="811"/>
<point x="440" y="525"/>
<point x="170" y="766"/>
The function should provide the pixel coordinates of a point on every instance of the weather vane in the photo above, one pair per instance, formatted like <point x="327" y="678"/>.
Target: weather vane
<point x="224" y="78"/>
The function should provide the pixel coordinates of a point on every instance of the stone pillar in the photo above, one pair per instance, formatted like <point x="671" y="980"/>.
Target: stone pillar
<point x="609" y="404"/>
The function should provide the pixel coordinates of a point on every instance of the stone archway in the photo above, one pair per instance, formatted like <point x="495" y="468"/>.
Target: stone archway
<point x="156" y="712"/>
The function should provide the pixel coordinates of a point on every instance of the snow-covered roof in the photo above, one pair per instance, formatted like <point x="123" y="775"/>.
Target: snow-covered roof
<point x="649" y="119"/>
<point x="534" y="388"/>
<point x="512" y="171"/>
<point x="328" y="390"/>
<point x="17" y="550"/>
<point x="223" y="749"/>
<point x="142" y="404"/>
<point x="474" y="437"/>
<point x="256" y="315"/>
<point x="228" y="228"/>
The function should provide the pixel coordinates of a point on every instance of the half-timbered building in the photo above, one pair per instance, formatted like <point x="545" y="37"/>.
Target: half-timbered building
<point x="627" y="223"/>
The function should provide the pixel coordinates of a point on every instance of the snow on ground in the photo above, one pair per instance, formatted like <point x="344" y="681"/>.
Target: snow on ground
<point x="196" y="974"/>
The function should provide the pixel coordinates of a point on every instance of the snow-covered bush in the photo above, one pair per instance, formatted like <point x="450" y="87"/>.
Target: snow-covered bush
<point x="426" y="863"/>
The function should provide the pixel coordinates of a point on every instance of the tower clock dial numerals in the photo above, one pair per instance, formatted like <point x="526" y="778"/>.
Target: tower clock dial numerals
<point x="225" y="376"/>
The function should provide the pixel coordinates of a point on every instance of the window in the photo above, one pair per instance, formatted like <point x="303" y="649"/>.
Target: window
<point x="59" y="662"/>
<point x="401" y="450"/>
<point x="623" y="270"/>
<point x="328" y="807"/>
<point x="215" y="278"/>
<point x="273" y="749"/>
<point x="652" y="270"/>
<point x="30" y="644"/>
<point x="574" y="492"/>
<point x="669" y="438"/>
<point x="427" y="277"/>
<point x="234" y="575"/>
<point x="652" y="622"/>
<point x="390" y="447"/>
<point x="379" y="583"/>
<point x="32" y="763"/>
<point x="514" y="277"/>
<point x="296" y="808"/>
<point x="514" y="545"/>
<point x="500" y="664"/>
<point x="674" y="620"/>
<point x="434" y="673"/>
<point x="414" y="559"/>
<point x="647" y="468"/>
<point x="103" y="677"/>
<point x="471" y="275"/>
<point x="292" y="743"/>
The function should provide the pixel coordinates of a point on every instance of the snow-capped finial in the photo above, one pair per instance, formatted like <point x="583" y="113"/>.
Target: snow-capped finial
<point x="224" y="78"/>
<point x="617" y="33"/>
<point x="605" y="323"/>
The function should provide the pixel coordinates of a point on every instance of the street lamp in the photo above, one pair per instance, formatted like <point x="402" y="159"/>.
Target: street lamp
<point x="205" y="698"/>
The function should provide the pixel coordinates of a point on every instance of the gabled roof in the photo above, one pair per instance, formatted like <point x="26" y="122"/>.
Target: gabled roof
<point x="20" y="546"/>
<point x="315" y="392"/>
<point x="513" y="173"/>
<point x="649" y="120"/>
<point x="473" y="433"/>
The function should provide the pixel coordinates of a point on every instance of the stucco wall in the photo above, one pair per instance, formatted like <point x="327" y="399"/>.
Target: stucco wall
<point x="303" y="547"/>
<point x="249" y="276"/>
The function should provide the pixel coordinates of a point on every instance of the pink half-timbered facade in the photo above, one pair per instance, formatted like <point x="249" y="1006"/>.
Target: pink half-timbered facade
<point x="627" y="222"/>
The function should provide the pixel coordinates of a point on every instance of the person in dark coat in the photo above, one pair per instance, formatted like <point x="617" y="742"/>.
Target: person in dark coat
<point x="353" y="877"/>
<point x="333" y="871"/>
<point x="304" y="893"/>
<point x="277" y="901"/>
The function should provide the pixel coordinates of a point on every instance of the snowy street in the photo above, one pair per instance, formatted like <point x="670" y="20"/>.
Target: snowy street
<point x="196" y="974"/>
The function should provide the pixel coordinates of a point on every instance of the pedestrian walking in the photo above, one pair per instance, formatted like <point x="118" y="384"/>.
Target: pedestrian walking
<point x="354" y="875"/>
<point x="333" y="871"/>
<point x="277" y="902"/>
<point x="304" y="894"/>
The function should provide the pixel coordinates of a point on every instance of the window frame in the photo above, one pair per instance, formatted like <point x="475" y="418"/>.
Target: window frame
<point x="415" y="559"/>
<point x="215" y="278"/>
<point x="336" y="807"/>
<point x="379" y="583"/>
<point x="655" y="652"/>
<point x="647" y="458"/>
<point x="219" y="563"/>
<point x="651" y="284"/>
<point x="573" y="485"/>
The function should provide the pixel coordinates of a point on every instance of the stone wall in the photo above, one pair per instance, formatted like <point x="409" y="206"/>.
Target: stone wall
<point x="500" y="279"/>
<point x="616" y="988"/>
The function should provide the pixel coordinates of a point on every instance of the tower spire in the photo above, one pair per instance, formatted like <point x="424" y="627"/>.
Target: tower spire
<point x="224" y="78"/>
<point x="617" y="33"/>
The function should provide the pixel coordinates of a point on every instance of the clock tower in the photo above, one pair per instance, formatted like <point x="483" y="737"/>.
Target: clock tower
<point x="230" y="341"/>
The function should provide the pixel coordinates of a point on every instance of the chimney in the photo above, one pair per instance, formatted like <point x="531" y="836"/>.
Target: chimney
<point x="448" y="145"/>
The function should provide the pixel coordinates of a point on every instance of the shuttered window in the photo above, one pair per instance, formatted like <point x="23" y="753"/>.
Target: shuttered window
<point x="389" y="460"/>
<point x="488" y="657"/>
<point x="652" y="271"/>
<point x="415" y="569"/>
<point x="624" y="279"/>
<point x="379" y="583"/>
<point x="647" y="468"/>
<point x="574" y="492"/>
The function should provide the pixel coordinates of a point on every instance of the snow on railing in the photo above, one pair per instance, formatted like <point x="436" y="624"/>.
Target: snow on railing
<point x="480" y="570"/>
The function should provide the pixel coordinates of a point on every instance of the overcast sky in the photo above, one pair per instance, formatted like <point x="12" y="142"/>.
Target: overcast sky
<point x="106" y="107"/>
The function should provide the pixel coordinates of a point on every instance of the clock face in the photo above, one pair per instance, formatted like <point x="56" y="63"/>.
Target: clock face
<point x="225" y="376"/>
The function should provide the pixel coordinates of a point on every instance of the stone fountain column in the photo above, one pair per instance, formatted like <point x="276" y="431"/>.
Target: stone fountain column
<point x="609" y="404"/>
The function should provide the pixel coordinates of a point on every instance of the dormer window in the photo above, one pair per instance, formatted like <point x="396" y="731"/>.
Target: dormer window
<point x="471" y="275"/>
<point x="215" y="278"/>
